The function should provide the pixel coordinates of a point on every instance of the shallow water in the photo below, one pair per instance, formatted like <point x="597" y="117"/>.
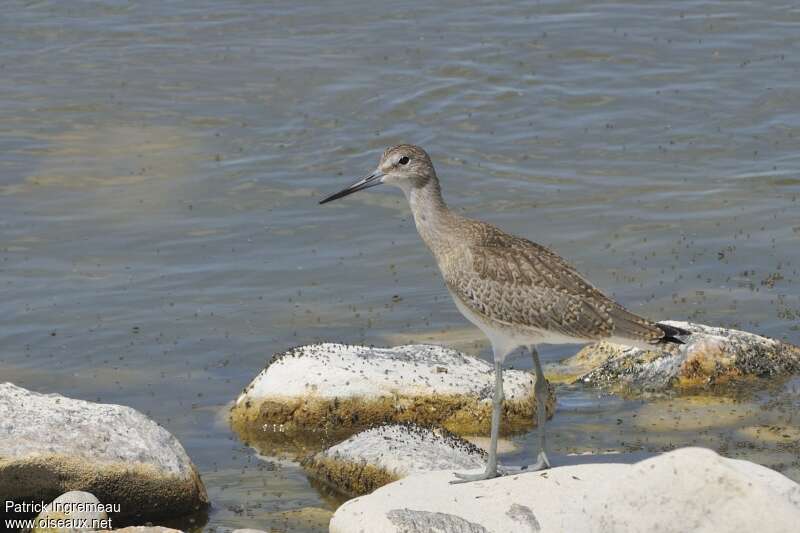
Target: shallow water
<point x="160" y="165"/>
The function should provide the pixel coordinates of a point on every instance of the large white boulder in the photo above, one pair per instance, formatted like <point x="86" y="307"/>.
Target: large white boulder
<point x="690" y="489"/>
<point x="710" y="356"/>
<point x="336" y="388"/>
<point x="50" y="444"/>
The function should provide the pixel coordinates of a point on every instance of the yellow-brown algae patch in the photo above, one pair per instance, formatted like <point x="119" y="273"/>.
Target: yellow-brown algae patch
<point x="710" y="357"/>
<point x="378" y="456"/>
<point x="351" y="478"/>
<point x="143" y="491"/>
<point x="335" y="390"/>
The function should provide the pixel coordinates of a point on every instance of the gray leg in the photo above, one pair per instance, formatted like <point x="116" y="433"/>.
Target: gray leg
<point x="497" y="410"/>
<point x="540" y="391"/>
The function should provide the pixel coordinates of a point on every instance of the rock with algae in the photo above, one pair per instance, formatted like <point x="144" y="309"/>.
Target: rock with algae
<point x="50" y="444"/>
<point x="377" y="456"/>
<point x="339" y="389"/>
<point x="710" y="356"/>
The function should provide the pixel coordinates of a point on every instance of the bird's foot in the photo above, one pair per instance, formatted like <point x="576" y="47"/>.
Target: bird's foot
<point x="500" y="471"/>
<point x="486" y="474"/>
<point x="542" y="463"/>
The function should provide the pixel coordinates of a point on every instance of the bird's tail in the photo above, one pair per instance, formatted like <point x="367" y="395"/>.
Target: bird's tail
<point x="671" y="334"/>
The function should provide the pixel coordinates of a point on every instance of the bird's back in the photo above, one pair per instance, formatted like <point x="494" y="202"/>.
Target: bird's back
<point x="515" y="283"/>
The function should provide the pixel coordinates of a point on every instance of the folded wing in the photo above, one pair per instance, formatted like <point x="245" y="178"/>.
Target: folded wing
<point x="518" y="282"/>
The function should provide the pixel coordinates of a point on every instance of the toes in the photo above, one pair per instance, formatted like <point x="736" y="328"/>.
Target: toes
<point x="466" y="478"/>
<point x="462" y="478"/>
<point x="540" y="465"/>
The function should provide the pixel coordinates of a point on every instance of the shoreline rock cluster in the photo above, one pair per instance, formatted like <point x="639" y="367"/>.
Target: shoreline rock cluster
<point x="394" y="416"/>
<point x="387" y="425"/>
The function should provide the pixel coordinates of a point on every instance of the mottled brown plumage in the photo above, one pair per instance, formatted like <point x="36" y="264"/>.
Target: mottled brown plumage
<point x="520" y="284"/>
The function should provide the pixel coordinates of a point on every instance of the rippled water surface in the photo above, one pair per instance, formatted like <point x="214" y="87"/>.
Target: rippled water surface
<point x="161" y="162"/>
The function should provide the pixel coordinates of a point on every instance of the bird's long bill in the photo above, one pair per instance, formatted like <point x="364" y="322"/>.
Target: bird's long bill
<point x="364" y="183"/>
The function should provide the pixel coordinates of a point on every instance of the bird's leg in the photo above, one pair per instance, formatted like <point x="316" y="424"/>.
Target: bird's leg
<point x="497" y="409"/>
<point x="540" y="392"/>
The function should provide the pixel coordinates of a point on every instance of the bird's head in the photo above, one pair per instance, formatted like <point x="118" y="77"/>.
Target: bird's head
<point x="405" y="166"/>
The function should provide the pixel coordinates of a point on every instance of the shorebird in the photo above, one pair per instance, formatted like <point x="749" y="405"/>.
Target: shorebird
<point x="517" y="292"/>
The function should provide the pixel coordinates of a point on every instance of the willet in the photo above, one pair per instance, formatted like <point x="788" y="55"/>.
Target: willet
<point x="517" y="292"/>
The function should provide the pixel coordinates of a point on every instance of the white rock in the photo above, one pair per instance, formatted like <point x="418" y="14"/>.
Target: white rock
<point x="339" y="371"/>
<point x="50" y="444"/>
<point x="690" y="489"/>
<point x="404" y="449"/>
<point x="369" y="459"/>
<point x="360" y="386"/>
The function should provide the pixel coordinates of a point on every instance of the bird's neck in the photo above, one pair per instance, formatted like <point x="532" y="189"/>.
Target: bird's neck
<point x="431" y="214"/>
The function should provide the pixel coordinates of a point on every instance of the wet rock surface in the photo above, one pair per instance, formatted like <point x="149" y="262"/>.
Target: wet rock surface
<point x="338" y="389"/>
<point x="51" y="444"/>
<point x="690" y="489"/>
<point x="710" y="357"/>
<point x="375" y="457"/>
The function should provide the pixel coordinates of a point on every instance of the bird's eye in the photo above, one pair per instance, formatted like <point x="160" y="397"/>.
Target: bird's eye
<point x="403" y="160"/>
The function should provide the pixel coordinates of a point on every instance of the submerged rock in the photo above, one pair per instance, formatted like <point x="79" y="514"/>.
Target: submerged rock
<point x="710" y="356"/>
<point x="338" y="389"/>
<point x="690" y="489"/>
<point x="50" y="444"/>
<point x="303" y="519"/>
<point x="378" y="456"/>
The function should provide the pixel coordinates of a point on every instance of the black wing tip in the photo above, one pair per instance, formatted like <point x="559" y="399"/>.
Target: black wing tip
<point x="671" y="334"/>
